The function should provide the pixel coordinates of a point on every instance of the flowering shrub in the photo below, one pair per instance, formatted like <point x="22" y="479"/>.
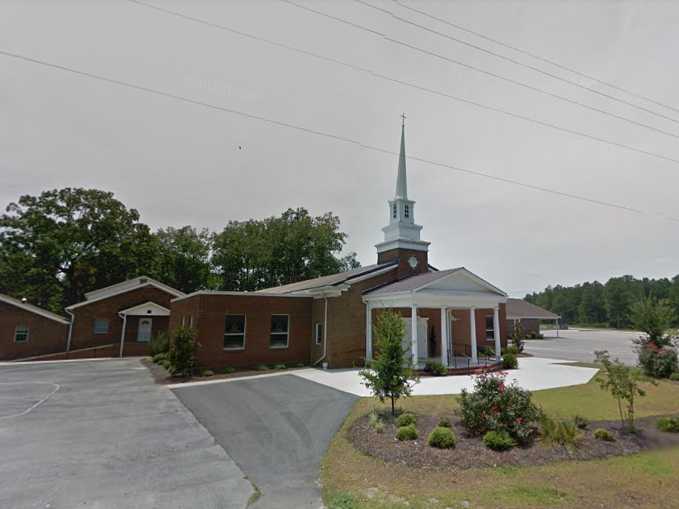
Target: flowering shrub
<point x="496" y="406"/>
<point x="657" y="361"/>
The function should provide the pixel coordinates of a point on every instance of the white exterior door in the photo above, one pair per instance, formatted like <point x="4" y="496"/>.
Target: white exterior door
<point x="422" y="337"/>
<point x="144" y="330"/>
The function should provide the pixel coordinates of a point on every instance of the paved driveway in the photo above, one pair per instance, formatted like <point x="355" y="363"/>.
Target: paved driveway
<point x="580" y="345"/>
<point x="276" y="428"/>
<point x="101" y="434"/>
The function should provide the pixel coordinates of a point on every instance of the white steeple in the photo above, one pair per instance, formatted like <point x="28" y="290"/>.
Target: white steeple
<point x="402" y="232"/>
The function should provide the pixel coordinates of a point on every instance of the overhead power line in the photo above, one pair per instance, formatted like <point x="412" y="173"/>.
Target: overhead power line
<point x="513" y="60"/>
<point x="376" y="74"/>
<point x="317" y="132"/>
<point x="536" y="56"/>
<point x="479" y="69"/>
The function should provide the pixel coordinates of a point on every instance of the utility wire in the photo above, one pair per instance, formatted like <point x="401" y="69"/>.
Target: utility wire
<point x="512" y="60"/>
<point x="536" y="56"/>
<point x="480" y="70"/>
<point x="317" y="132"/>
<point x="378" y="75"/>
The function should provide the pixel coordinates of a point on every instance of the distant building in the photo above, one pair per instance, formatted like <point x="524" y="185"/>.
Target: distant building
<point x="528" y="316"/>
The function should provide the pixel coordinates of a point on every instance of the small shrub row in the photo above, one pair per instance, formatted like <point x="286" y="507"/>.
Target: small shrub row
<point x="442" y="437"/>
<point x="498" y="440"/>
<point x="604" y="434"/>
<point x="668" y="424"/>
<point x="436" y="368"/>
<point x="406" y="419"/>
<point x="407" y="433"/>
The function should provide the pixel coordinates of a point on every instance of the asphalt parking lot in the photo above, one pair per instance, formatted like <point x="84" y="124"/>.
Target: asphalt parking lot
<point x="102" y="434"/>
<point x="580" y="345"/>
<point x="276" y="429"/>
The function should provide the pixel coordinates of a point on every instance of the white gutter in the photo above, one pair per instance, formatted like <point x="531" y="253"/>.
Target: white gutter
<point x="70" y="331"/>
<point x="325" y="332"/>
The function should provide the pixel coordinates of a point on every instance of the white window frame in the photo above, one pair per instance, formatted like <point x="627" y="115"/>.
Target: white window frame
<point x="406" y="211"/>
<point x="94" y="326"/>
<point x="22" y="328"/>
<point x="394" y="211"/>
<point x="244" y="334"/>
<point x="317" y="336"/>
<point x="286" y="333"/>
<point x="492" y="327"/>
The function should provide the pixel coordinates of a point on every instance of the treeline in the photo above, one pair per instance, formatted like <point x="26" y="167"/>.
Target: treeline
<point x="606" y="304"/>
<point x="59" y="245"/>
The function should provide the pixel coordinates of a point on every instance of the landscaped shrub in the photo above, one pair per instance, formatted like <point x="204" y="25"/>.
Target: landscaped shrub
<point x="604" y="434"/>
<point x="159" y="357"/>
<point x="580" y="422"/>
<point x="406" y="419"/>
<point x="675" y="377"/>
<point x="207" y="372"/>
<point x="444" y="422"/>
<point x="407" y="433"/>
<point x="442" y="438"/>
<point x="658" y="362"/>
<point x="498" y="441"/>
<point x="534" y="335"/>
<point x="496" y="406"/>
<point x="183" y="346"/>
<point x="512" y="349"/>
<point x="160" y="343"/>
<point x="436" y="368"/>
<point x="668" y="424"/>
<point x="262" y="367"/>
<point x="228" y="370"/>
<point x="280" y="366"/>
<point x="486" y="351"/>
<point x="518" y="337"/>
<point x="558" y="431"/>
<point x="509" y="361"/>
<point x="375" y="422"/>
<point x="656" y="349"/>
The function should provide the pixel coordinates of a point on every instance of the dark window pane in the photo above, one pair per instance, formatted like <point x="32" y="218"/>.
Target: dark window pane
<point x="319" y="333"/>
<point x="490" y="327"/>
<point x="100" y="326"/>
<point x="234" y="341"/>
<point x="279" y="323"/>
<point x="279" y="340"/>
<point x="234" y="324"/>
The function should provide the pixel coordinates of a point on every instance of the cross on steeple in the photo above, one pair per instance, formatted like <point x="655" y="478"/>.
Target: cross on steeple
<point x="403" y="119"/>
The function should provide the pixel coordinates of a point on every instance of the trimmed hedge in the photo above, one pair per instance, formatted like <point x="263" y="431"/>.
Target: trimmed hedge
<point x="407" y="433"/>
<point x="442" y="438"/>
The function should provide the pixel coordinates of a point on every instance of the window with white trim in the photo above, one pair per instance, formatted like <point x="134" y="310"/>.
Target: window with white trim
<point x="318" y="333"/>
<point x="490" y="327"/>
<point x="101" y="326"/>
<point x="394" y="211"/>
<point x="234" y="332"/>
<point x="406" y="210"/>
<point x="21" y="334"/>
<point x="280" y="327"/>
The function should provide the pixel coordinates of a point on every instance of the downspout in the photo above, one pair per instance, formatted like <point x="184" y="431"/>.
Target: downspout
<point x="325" y="331"/>
<point x="122" y="333"/>
<point x="70" y="331"/>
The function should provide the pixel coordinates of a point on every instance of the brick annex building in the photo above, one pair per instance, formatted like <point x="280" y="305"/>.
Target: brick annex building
<point x="327" y="320"/>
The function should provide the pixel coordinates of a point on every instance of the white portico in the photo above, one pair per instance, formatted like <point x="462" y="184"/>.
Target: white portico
<point x="449" y="292"/>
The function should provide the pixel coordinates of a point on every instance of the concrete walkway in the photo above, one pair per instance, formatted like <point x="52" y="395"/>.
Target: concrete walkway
<point x="103" y="435"/>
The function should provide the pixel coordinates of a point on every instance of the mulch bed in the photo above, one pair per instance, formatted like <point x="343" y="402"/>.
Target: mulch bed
<point x="470" y="452"/>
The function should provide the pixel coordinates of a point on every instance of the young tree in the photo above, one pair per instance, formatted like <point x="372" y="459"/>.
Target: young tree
<point x="182" y="355"/>
<point x="623" y="382"/>
<point x="390" y="375"/>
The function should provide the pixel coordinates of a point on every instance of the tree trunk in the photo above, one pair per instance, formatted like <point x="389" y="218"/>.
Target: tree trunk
<point x="393" y="408"/>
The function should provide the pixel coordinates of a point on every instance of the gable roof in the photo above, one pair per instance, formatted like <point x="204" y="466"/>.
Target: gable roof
<point x="148" y="308"/>
<point x="348" y="276"/>
<point x="33" y="309"/>
<point x="123" y="287"/>
<point x="519" y="308"/>
<point x="421" y="281"/>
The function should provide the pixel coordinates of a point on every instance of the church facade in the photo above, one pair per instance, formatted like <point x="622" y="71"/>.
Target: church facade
<point x="452" y="316"/>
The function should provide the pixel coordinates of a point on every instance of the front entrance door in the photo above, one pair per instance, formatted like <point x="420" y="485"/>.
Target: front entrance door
<point x="144" y="330"/>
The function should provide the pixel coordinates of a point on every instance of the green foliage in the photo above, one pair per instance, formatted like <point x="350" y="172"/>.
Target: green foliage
<point x="509" y="361"/>
<point x="184" y="258"/>
<point x="436" y="368"/>
<point x="262" y="367"/>
<point x="512" y="350"/>
<point x="228" y="370"/>
<point x="56" y="246"/>
<point x="558" y="431"/>
<point x="407" y="433"/>
<point x="182" y="357"/>
<point x="280" y="366"/>
<point x="653" y="317"/>
<point x="389" y="376"/>
<point x="604" y="434"/>
<point x="486" y="351"/>
<point x="406" y="419"/>
<point x="160" y="357"/>
<point x="518" y="337"/>
<point x="375" y="422"/>
<point x="442" y="438"/>
<point x="657" y="362"/>
<point x="498" y="440"/>
<point x="207" y="373"/>
<point x="160" y="343"/>
<point x="623" y="382"/>
<point x="254" y="254"/>
<point x="675" y="376"/>
<point x="444" y="422"/>
<point x="496" y="406"/>
<point x="668" y="424"/>
<point x="342" y="500"/>
<point x="581" y="422"/>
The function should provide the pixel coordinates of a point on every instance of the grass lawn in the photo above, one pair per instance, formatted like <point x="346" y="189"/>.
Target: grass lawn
<point x="352" y="480"/>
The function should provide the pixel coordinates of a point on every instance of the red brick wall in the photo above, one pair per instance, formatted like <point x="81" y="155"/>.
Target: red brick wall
<point x="404" y="269"/>
<point x="84" y="316"/>
<point x="211" y="310"/>
<point x="317" y="316"/>
<point x="45" y="335"/>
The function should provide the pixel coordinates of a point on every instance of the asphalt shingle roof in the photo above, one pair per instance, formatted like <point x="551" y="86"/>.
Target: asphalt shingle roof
<point x="519" y="308"/>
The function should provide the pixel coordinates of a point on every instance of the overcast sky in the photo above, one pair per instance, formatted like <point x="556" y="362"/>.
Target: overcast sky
<point x="180" y="164"/>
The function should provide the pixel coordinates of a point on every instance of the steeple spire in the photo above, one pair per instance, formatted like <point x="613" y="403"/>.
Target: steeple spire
<point x="401" y="179"/>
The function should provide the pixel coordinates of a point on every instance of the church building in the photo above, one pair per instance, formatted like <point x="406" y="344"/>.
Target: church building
<point x="452" y="316"/>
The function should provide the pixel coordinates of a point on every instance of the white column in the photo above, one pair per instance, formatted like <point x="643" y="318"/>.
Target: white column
<point x="496" y="333"/>
<point x="413" y="332"/>
<point x="368" y="332"/>
<point x="444" y="336"/>
<point x="472" y="334"/>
